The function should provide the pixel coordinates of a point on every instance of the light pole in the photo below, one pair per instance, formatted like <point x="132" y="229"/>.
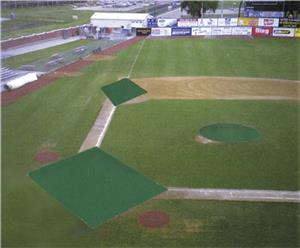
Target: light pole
<point x="222" y="7"/>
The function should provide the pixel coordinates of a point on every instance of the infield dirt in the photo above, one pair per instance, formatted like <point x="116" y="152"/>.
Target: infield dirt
<point x="219" y="88"/>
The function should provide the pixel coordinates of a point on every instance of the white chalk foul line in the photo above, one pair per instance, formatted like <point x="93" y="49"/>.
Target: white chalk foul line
<point x="108" y="121"/>
<point x="136" y="58"/>
<point x="231" y="194"/>
<point x="113" y="108"/>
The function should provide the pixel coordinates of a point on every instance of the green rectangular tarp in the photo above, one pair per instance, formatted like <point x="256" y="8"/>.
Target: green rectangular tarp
<point x="95" y="185"/>
<point x="122" y="91"/>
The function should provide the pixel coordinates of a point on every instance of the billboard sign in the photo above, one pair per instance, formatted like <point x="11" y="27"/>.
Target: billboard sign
<point x="297" y="32"/>
<point x="241" y="31"/>
<point x="161" y="32"/>
<point x="289" y="23"/>
<point x="181" y="31"/>
<point x="188" y="23"/>
<point x="152" y="23"/>
<point x="201" y="31"/>
<point x="268" y="22"/>
<point x="242" y="21"/>
<point x="283" y="32"/>
<point x="163" y="23"/>
<point x="143" y="31"/>
<point x="221" y="31"/>
<point x="227" y="22"/>
<point x="261" y="31"/>
<point x="255" y="13"/>
<point x="208" y="22"/>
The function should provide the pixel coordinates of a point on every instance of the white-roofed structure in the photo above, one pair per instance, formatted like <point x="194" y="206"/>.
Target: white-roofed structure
<point x="119" y="20"/>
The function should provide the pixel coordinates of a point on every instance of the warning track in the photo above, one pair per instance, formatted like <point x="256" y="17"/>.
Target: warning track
<point x="231" y="195"/>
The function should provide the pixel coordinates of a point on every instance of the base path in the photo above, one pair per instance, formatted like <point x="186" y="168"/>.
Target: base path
<point x="231" y="195"/>
<point x="97" y="132"/>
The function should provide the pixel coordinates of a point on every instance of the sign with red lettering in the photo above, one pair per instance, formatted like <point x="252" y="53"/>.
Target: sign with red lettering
<point x="261" y="31"/>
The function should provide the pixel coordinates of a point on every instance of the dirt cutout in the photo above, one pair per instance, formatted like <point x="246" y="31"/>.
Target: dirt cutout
<point x="139" y="99"/>
<point x="99" y="57"/>
<point x="60" y="74"/>
<point x="203" y="140"/>
<point x="220" y="88"/>
<point x="46" y="156"/>
<point x="154" y="219"/>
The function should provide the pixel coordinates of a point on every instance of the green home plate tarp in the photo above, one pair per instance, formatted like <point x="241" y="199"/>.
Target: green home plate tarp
<point x="122" y="91"/>
<point x="95" y="186"/>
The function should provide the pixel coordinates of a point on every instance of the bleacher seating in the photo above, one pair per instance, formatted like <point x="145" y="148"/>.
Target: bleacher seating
<point x="8" y="74"/>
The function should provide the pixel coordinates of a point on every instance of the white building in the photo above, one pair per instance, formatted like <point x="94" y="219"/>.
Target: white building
<point x="120" y="20"/>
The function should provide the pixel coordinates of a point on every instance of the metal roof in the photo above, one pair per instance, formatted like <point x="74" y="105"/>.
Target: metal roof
<point x="119" y="16"/>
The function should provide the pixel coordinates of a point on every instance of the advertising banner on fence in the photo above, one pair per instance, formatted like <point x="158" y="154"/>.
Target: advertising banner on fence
<point x="289" y="23"/>
<point x="152" y="23"/>
<point x="242" y="21"/>
<point x="187" y="23"/>
<point x="297" y="32"/>
<point x="161" y="32"/>
<point x="208" y="22"/>
<point x="162" y="23"/>
<point x="250" y="12"/>
<point x="221" y="31"/>
<point x="268" y="22"/>
<point x="143" y="31"/>
<point x="201" y="31"/>
<point x="283" y="32"/>
<point x="181" y="31"/>
<point x="241" y="31"/>
<point x="227" y="22"/>
<point x="262" y="31"/>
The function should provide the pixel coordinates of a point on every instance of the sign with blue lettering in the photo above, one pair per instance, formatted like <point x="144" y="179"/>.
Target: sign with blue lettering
<point x="152" y="23"/>
<point x="181" y="31"/>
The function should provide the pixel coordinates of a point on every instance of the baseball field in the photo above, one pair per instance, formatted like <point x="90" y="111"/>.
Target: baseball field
<point x="190" y="84"/>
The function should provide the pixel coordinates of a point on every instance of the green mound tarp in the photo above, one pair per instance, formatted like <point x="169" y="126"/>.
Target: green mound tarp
<point x="229" y="132"/>
<point x="95" y="186"/>
<point x="122" y="91"/>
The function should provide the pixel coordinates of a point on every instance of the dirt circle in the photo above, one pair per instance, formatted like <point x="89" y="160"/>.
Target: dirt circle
<point x="46" y="156"/>
<point x="203" y="140"/>
<point x="154" y="219"/>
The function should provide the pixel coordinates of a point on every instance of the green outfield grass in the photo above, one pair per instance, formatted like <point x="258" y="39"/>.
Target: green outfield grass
<point x="263" y="58"/>
<point x="60" y="115"/>
<point x="23" y="59"/>
<point x="41" y="19"/>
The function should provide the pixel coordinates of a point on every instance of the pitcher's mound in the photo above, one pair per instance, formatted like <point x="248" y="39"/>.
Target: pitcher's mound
<point x="46" y="156"/>
<point x="228" y="133"/>
<point x="154" y="219"/>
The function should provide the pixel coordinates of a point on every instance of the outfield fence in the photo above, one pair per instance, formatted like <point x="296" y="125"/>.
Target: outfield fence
<point x="244" y="26"/>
